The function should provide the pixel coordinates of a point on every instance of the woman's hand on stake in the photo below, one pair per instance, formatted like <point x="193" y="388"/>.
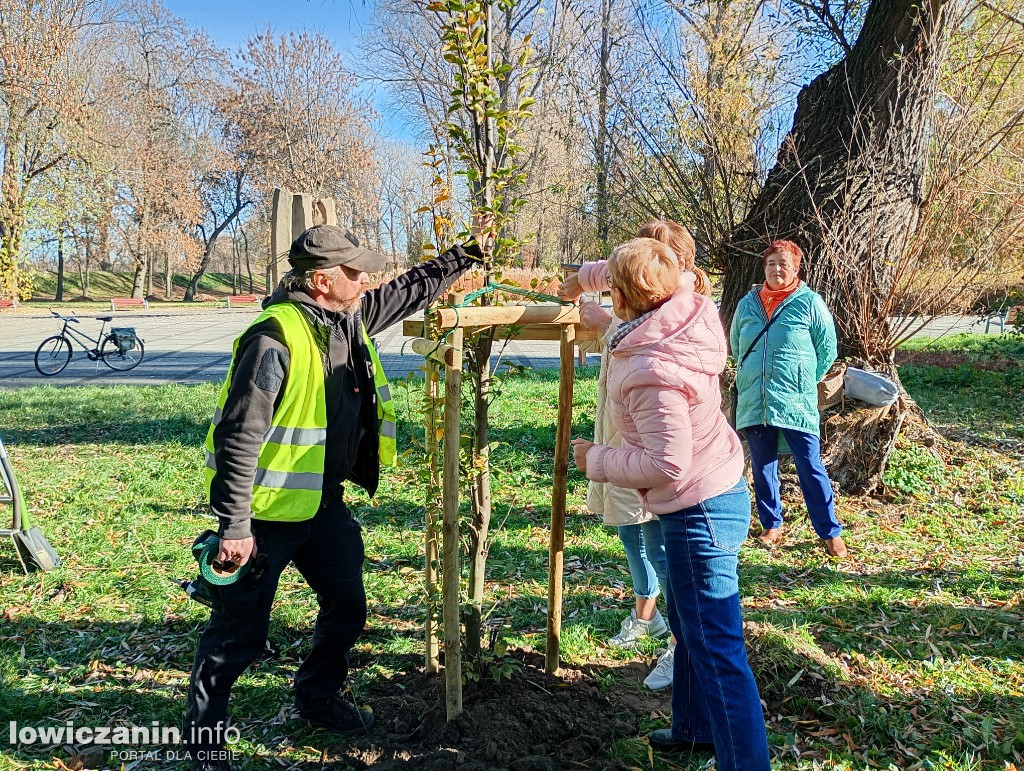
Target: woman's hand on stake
<point x="593" y="316"/>
<point x="580" y="448"/>
<point x="570" y="288"/>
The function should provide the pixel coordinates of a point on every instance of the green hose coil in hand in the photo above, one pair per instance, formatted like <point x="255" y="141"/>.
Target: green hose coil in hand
<point x="205" y="550"/>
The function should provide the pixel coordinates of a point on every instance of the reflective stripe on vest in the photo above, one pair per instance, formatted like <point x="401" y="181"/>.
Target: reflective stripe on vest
<point x="386" y="420"/>
<point x="289" y="477"/>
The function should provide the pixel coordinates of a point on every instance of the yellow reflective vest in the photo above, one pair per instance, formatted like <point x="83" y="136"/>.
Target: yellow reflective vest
<point x="290" y="469"/>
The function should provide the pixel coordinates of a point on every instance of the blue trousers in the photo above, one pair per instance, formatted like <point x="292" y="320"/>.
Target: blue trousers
<point x="714" y="696"/>
<point x="645" y="554"/>
<point x="814" y="482"/>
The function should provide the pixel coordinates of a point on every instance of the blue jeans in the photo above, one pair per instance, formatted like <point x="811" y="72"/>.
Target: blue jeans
<point x="714" y="696"/>
<point x="645" y="554"/>
<point x="814" y="482"/>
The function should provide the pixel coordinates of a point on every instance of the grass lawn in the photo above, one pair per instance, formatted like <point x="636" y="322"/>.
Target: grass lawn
<point x="214" y="289"/>
<point x="106" y="284"/>
<point x="910" y="655"/>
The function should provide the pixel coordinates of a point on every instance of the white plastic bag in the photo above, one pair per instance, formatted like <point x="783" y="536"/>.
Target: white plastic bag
<point x="870" y="387"/>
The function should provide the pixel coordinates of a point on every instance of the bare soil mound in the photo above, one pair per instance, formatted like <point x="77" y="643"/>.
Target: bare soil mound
<point x="532" y="722"/>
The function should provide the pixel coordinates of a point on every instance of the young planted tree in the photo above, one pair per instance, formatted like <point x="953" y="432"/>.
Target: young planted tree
<point x="489" y="97"/>
<point x="401" y="55"/>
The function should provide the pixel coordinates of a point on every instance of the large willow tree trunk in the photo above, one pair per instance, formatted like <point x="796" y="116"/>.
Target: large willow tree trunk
<point x="847" y="187"/>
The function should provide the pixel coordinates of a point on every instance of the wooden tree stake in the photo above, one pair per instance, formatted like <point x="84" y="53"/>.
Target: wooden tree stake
<point x="431" y="547"/>
<point x="450" y="579"/>
<point x="560" y="483"/>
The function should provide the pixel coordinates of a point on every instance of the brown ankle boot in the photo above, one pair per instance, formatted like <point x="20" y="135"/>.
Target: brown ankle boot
<point x="836" y="547"/>
<point x="771" y="536"/>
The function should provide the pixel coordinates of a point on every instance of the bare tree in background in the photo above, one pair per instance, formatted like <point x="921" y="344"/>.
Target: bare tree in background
<point x="402" y="187"/>
<point x="225" y="196"/>
<point x="44" y="95"/>
<point x="300" y="122"/>
<point x="164" y="67"/>
<point x="681" y="120"/>
<point x="865" y="182"/>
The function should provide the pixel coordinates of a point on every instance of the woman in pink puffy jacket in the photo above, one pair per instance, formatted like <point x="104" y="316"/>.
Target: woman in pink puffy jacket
<point x="680" y="454"/>
<point x="621" y="507"/>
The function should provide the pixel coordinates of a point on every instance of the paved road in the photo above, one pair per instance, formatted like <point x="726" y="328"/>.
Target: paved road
<point x="195" y="347"/>
<point x="189" y="347"/>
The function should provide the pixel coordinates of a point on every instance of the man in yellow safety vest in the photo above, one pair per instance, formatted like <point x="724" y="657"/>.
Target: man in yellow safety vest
<point x="304" y="410"/>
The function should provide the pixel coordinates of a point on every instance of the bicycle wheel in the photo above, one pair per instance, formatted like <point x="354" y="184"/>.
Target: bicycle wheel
<point x="114" y="358"/>
<point x="53" y="355"/>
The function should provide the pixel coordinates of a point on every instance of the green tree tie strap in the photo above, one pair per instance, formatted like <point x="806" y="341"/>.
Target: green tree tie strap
<point x="493" y="287"/>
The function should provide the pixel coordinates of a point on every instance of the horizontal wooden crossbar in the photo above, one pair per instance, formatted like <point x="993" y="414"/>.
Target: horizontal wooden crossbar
<point x="491" y="316"/>
<point x="414" y="328"/>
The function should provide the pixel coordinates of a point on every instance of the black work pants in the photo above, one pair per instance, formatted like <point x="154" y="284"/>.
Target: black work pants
<point x="328" y="551"/>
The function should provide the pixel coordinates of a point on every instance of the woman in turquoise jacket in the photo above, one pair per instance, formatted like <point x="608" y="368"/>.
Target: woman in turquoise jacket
<point x="777" y="385"/>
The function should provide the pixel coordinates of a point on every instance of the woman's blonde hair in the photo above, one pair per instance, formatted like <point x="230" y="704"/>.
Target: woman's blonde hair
<point x="645" y="271"/>
<point x="682" y="244"/>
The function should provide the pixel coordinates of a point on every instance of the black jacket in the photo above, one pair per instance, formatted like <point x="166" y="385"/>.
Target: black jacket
<point x="260" y="369"/>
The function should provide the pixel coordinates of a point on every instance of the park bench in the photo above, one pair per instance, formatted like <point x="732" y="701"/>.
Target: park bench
<point x="1003" y="315"/>
<point x="6" y="303"/>
<point x="128" y="302"/>
<point x="244" y="299"/>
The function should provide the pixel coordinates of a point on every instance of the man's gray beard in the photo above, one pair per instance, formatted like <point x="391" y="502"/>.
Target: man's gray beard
<point x="353" y="305"/>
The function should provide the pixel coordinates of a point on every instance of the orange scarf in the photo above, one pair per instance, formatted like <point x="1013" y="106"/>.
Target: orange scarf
<point x="773" y="298"/>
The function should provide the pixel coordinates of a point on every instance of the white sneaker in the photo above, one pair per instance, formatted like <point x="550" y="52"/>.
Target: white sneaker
<point x="661" y="676"/>
<point x="634" y="628"/>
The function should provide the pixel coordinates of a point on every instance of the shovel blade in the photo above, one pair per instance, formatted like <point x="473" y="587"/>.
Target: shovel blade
<point x="35" y="551"/>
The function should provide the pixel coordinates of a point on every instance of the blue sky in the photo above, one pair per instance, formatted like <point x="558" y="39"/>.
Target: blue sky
<point x="230" y="22"/>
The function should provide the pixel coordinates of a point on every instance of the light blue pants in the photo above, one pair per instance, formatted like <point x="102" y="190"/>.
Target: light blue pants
<point x="645" y="554"/>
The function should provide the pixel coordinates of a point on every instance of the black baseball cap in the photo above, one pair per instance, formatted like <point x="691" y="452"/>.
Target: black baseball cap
<point x="326" y="246"/>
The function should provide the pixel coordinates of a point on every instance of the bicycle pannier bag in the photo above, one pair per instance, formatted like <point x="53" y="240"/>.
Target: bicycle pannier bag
<point x="124" y="338"/>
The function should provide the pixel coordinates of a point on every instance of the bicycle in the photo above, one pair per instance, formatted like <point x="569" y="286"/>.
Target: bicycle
<point x="121" y="349"/>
